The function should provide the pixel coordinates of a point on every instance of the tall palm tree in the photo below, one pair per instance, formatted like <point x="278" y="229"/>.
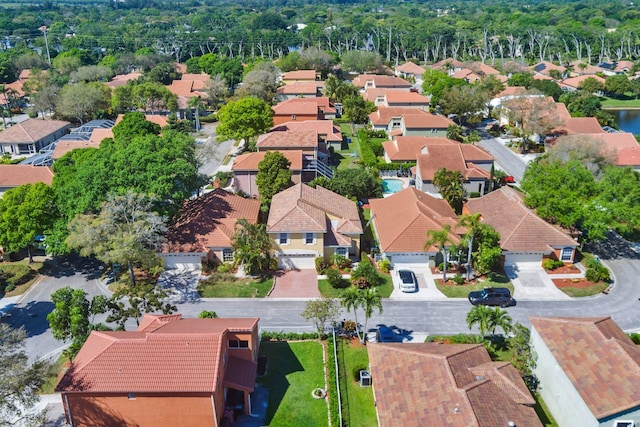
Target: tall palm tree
<point x="472" y="223"/>
<point x="252" y="246"/>
<point x="441" y="239"/>
<point x="499" y="318"/>
<point x="370" y="299"/>
<point x="479" y="315"/>
<point x="352" y="300"/>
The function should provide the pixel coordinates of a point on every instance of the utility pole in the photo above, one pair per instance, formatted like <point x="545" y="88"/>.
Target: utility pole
<point x="46" y="42"/>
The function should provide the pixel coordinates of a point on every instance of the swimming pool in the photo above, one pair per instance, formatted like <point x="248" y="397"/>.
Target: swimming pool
<point x="390" y="185"/>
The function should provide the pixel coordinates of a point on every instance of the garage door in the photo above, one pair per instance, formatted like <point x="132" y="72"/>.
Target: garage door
<point x="183" y="261"/>
<point x="408" y="258"/>
<point x="297" y="261"/>
<point x="523" y="260"/>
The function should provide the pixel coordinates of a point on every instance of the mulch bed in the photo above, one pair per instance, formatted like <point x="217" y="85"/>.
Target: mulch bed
<point x="565" y="269"/>
<point x="572" y="283"/>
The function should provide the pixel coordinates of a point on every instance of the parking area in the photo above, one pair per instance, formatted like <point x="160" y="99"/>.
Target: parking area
<point x="181" y="284"/>
<point x="532" y="283"/>
<point x="427" y="289"/>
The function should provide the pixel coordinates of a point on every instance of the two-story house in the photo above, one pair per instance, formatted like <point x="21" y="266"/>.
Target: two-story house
<point x="403" y="121"/>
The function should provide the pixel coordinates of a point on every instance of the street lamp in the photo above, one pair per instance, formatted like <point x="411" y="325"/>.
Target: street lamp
<point x="46" y="42"/>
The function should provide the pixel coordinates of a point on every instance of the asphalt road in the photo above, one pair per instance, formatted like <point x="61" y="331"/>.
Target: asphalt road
<point x="508" y="161"/>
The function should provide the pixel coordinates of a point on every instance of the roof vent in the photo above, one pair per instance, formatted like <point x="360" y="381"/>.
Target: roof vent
<point x="479" y="378"/>
<point x="511" y="424"/>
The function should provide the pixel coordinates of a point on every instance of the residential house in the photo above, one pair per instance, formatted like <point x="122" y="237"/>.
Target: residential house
<point x="302" y="109"/>
<point x="12" y="176"/>
<point x="572" y="84"/>
<point x="630" y="157"/>
<point x="298" y="90"/>
<point x="582" y="68"/>
<point x="409" y="70"/>
<point x="447" y="385"/>
<point x="467" y="75"/>
<point x="448" y="65"/>
<point x="509" y="93"/>
<point x="305" y="223"/>
<point x="400" y="121"/>
<point x="589" y="371"/>
<point x="402" y="221"/>
<point x="300" y="76"/>
<point x="171" y="371"/>
<point x="13" y="92"/>
<point x="396" y="98"/>
<point x="546" y="67"/>
<point x="623" y="67"/>
<point x="204" y="229"/>
<point x="122" y="79"/>
<point x="327" y="131"/>
<point x="366" y="81"/>
<point x="30" y="136"/>
<point x="189" y="86"/>
<point x="525" y="238"/>
<point x="578" y="125"/>
<point x="245" y="170"/>
<point x="474" y="163"/>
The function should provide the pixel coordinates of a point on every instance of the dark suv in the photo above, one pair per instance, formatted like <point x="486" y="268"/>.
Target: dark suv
<point x="492" y="296"/>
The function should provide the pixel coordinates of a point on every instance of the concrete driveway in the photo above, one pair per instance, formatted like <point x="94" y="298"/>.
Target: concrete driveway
<point x="181" y="284"/>
<point x="427" y="290"/>
<point x="533" y="284"/>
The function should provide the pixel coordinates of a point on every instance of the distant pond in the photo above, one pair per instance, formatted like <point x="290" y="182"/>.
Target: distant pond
<point x="628" y="120"/>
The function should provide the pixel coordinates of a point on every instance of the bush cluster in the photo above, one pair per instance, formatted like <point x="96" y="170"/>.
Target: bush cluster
<point x="596" y="271"/>
<point x="367" y="154"/>
<point x="321" y="265"/>
<point x="332" y="391"/>
<point x="551" y="264"/>
<point x="335" y="279"/>
<point x="287" y="336"/>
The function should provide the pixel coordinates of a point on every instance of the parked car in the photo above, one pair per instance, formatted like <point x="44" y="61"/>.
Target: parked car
<point x="492" y="296"/>
<point x="509" y="179"/>
<point x="385" y="334"/>
<point x="408" y="282"/>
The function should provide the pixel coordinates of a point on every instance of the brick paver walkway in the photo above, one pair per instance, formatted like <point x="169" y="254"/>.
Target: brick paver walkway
<point x="296" y="284"/>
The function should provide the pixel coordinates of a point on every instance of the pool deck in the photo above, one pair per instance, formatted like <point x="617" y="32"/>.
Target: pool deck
<point x="405" y="183"/>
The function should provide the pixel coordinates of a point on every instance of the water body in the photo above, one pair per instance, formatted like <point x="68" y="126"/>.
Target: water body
<point x="628" y="120"/>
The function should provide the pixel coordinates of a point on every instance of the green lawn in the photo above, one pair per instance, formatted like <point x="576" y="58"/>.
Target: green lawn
<point x="52" y="380"/>
<point x="596" y="288"/>
<point x="369" y="239"/>
<point x="358" y="409"/>
<point x="624" y="102"/>
<point x="344" y="156"/>
<point x="226" y="286"/>
<point x="329" y="291"/>
<point x="293" y="371"/>
<point x="17" y="277"/>
<point x="493" y="280"/>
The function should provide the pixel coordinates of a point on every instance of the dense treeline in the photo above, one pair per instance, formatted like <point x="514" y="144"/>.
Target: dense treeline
<point x="587" y="31"/>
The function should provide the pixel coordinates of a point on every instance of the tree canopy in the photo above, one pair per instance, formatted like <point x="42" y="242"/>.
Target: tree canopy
<point x="274" y="175"/>
<point x="244" y="119"/>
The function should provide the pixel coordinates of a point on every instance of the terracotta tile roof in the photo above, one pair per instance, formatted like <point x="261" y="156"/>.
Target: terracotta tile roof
<point x="410" y="68"/>
<point x="372" y="94"/>
<point x="402" y="97"/>
<point x="180" y="68"/>
<point x="483" y="69"/>
<point x="588" y="69"/>
<point x="202" y="77"/>
<point x="432" y="384"/>
<point x="380" y="81"/>
<point x="179" y="356"/>
<point x="325" y="128"/>
<point x="519" y="227"/>
<point x="574" y="82"/>
<point x="545" y="66"/>
<point x="407" y="148"/>
<point x="616" y="141"/>
<point x="451" y="157"/>
<point x="298" y="88"/>
<point x="629" y="156"/>
<point x="598" y="358"/>
<point x="17" y="87"/>
<point x="181" y="87"/>
<point x="158" y="119"/>
<point x="304" y="209"/>
<point x="209" y="222"/>
<point x="31" y="130"/>
<point x="25" y="74"/>
<point x="99" y="134"/>
<point x="579" y="125"/>
<point x="304" y="106"/>
<point x="403" y="219"/>
<point x="240" y="374"/>
<point x="623" y="66"/>
<point x="466" y="74"/>
<point x="63" y="147"/>
<point x="249" y="161"/>
<point x="414" y="118"/>
<point x="511" y="91"/>
<point x="445" y="62"/>
<point x="300" y="75"/>
<point x="17" y="175"/>
<point x="122" y="79"/>
<point x="538" y="76"/>
<point x="289" y="139"/>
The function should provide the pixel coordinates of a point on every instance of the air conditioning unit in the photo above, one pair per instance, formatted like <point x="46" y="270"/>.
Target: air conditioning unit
<point x="365" y="378"/>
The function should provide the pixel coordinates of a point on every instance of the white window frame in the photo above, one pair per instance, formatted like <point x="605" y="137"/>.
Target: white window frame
<point x="227" y="255"/>
<point x="342" y="248"/>
<point x="306" y="238"/>
<point x="562" y="254"/>
<point x="283" y="239"/>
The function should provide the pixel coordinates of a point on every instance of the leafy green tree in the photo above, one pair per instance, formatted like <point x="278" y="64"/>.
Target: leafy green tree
<point x="320" y="312"/>
<point x="20" y="380"/>
<point x="523" y="357"/>
<point x="370" y="300"/>
<point x="252" y="247"/>
<point x="261" y="83"/>
<point x="208" y="314"/>
<point x="441" y="239"/>
<point x="352" y="300"/>
<point x="547" y="87"/>
<point x="81" y="101"/>
<point x="471" y="223"/>
<point x="244" y="119"/>
<point x="618" y="85"/>
<point x="365" y="275"/>
<point x="361" y="183"/>
<point x="490" y="85"/>
<point x="479" y="316"/>
<point x="591" y="85"/>
<point x="455" y="132"/>
<point x="467" y="102"/>
<point x="357" y="110"/>
<point x="73" y="315"/>
<point x="520" y="79"/>
<point x="26" y="212"/>
<point x="450" y="184"/>
<point x="533" y="115"/>
<point x="126" y="231"/>
<point x="274" y="175"/>
<point x="581" y="104"/>
<point x="361" y="61"/>
<point x="133" y="301"/>
<point x="435" y="82"/>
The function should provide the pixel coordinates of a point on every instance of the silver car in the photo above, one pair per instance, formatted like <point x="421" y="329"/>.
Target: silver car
<point x="408" y="282"/>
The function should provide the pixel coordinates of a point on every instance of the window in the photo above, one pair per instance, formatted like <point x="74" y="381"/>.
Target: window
<point x="227" y="255"/>
<point x="434" y="130"/>
<point x="309" y="238"/>
<point x="293" y="117"/>
<point x="131" y="396"/>
<point x="566" y="254"/>
<point x="342" y="251"/>
<point x="238" y="344"/>
<point x="625" y="423"/>
<point x="395" y="124"/>
<point x="283" y="239"/>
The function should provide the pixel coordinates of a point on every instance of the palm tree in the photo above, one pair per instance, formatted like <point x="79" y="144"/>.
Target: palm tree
<point x="499" y="318"/>
<point x="472" y="223"/>
<point x="352" y="300"/>
<point x="252" y="246"/>
<point x="479" y="315"/>
<point x="197" y="104"/>
<point x="440" y="238"/>
<point x="369" y="299"/>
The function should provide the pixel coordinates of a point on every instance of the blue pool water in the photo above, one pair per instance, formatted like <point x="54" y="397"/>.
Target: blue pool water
<point x="390" y="186"/>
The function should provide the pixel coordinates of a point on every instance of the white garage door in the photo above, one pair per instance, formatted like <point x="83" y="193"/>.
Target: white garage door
<point x="191" y="261"/>
<point x="408" y="258"/>
<point x="297" y="261"/>
<point x="523" y="260"/>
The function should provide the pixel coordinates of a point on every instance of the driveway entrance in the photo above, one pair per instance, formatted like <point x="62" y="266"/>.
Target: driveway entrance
<point x="296" y="284"/>
<point x="533" y="283"/>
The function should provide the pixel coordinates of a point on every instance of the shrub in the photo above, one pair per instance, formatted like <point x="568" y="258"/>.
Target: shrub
<point x="551" y="264"/>
<point x="376" y="133"/>
<point x="224" y="177"/>
<point x="9" y="287"/>
<point x="635" y="337"/>
<point x="458" y="279"/>
<point x="592" y="275"/>
<point x="384" y="265"/>
<point x="367" y="272"/>
<point x="321" y="265"/>
<point x="287" y="336"/>
<point x="441" y="266"/>
<point x="225" y="267"/>
<point x="333" y="389"/>
<point x="335" y="278"/>
<point x="604" y="273"/>
<point x="598" y="273"/>
<point x="349" y="326"/>
<point x="592" y="262"/>
<point x="474" y="194"/>
<point x="341" y="261"/>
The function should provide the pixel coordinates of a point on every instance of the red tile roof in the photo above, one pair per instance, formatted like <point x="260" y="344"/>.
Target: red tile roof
<point x="583" y="68"/>
<point x="158" y="119"/>
<point x="298" y="88"/>
<point x="305" y="209"/>
<point x="574" y="82"/>
<point x="579" y="125"/>
<point x="446" y="62"/>
<point x="410" y="68"/>
<point x="289" y="139"/>
<point x="403" y="219"/>
<point x="300" y="75"/>
<point x="519" y="227"/>
<point x="380" y="81"/>
<point x="451" y="157"/>
<point x="182" y="355"/>
<point x="545" y="66"/>
<point x="629" y="156"/>
<point x="31" y="130"/>
<point x="17" y="175"/>
<point x="600" y="360"/>
<point x="304" y="106"/>
<point x="209" y="222"/>
<point x="616" y="141"/>
<point x="63" y="147"/>
<point x="407" y="148"/>
<point x="99" y="134"/>
<point x="511" y="91"/>
<point x="414" y="118"/>
<point x="250" y="161"/>
<point x="402" y="97"/>
<point x="325" y="128"/>
<point x="123" y="79"/>
<point x="432" y="384"/>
